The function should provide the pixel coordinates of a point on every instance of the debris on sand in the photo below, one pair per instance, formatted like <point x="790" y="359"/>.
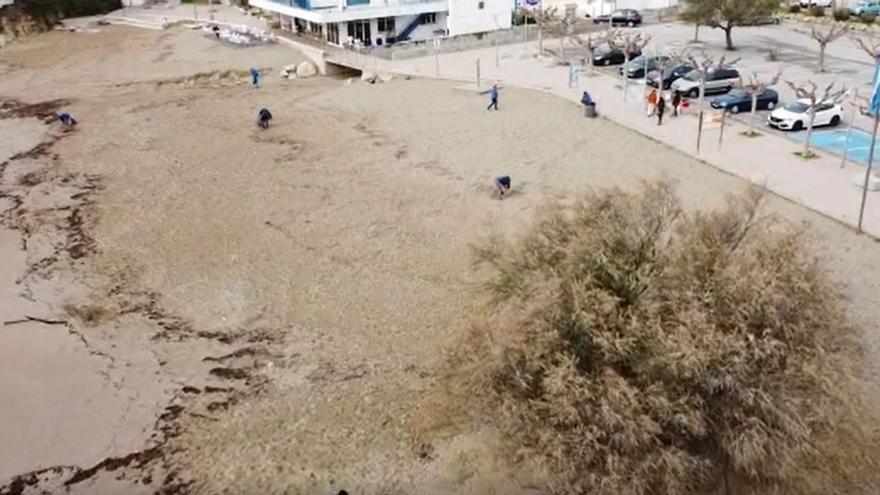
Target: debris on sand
<point x="239" y="34"/>
<point x="211" y="79"/>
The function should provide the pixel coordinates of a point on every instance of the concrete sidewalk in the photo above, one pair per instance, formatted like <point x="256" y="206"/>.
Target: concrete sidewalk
<point x="819" y="184"/>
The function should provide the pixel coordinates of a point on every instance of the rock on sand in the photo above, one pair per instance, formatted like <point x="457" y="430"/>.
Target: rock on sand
<point x="306" y="69"/>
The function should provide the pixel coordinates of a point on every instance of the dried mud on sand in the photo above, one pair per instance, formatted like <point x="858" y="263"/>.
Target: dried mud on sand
<point x="227" y="310"/>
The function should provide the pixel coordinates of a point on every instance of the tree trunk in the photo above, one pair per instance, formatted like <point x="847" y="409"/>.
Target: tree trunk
<point x="728" y="38"/>
<point x="623" y="74"/>
<point x="822" y="57"/>
<point x="696" y="33"/>
<point x="754" y="111"/>
<point x="809" y="131"/>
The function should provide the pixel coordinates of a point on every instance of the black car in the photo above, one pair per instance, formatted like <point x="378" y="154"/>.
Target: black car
<point x="668" y="75"/>
<point x="636" y="66"/>
<point x="740" y="100"/>
<point x="611" y="56"/>
<point x="622" y="17"/>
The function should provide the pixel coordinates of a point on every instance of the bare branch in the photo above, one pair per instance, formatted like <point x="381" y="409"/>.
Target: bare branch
<point x="833" y="33"/>
<point x="871" y="46"/>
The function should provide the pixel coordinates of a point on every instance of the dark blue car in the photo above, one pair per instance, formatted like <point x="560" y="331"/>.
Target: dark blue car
<point x="740" y="100"/>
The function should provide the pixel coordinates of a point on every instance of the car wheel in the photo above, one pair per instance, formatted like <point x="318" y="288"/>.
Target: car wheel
<point x="631" y="24"/>
<point x="770" y="105"/>
<point x="606" y="62"/>
<point x="734" y="109"/>
<point x="797" y="126"/>
<point x="834" y="121"/>
<point x="694" y="93"/>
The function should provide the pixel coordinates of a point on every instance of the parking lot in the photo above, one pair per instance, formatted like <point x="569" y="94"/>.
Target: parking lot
<point x="796" y="56"/>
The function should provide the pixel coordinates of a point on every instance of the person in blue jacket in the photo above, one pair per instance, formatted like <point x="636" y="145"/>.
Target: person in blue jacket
<point x="493" y="98"/>
<point x="255" y="77"/>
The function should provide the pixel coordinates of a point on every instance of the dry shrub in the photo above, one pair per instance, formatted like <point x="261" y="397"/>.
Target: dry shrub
<point x="630" y="347"/>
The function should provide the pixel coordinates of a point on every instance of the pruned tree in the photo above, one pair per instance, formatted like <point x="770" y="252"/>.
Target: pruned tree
<point x="825" y="36"/>
<point x="588" y="44"/>
<point x="547" y="21"/>
<point x="674" y="59"/>
<point x="728" y="14"/>
<point x="705" y="64"/>
<point x="869" y="45"/>
<point x="628" y="42"/>
<point x="810" y="94"/>
<point x="754" y="85"/>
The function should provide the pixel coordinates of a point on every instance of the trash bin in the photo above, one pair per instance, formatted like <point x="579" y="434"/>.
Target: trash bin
<point x="590" y="111"/>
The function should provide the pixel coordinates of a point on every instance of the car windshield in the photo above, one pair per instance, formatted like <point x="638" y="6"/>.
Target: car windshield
<point x="693" y="75"/>
<point x="738" y="93"/>
<point x="797" y="107"/>
<point x="640" y="60"/>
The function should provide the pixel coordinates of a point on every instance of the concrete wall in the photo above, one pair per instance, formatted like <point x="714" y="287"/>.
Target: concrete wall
<point x="466" y="16"/>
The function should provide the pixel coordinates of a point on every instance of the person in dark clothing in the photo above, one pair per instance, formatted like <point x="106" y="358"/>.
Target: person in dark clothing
<point x="216" y="30"/>
<point x="493" y="98"/>
<point x="676" y="102"/>
<point x="66" y="119"/>
<point x="502" y="185"/>
<point x="661" y="107"/>
<point x="264" y="117"/>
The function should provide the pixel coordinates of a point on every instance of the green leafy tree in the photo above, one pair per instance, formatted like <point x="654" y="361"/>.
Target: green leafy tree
<point x="728" y="14"/>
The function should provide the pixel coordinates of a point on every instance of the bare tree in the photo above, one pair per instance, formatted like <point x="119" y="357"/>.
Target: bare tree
<point x="628" y="42"/>
<point x="673" y="58"/>
<point x="547" y="21"/>
<point x="754" y="85"/>
<point x="823" y="37"/>
<point x="704" y="65"/>
<point x="810" y="94"/>
<point x="871" y="46"/>
<point x="590" y="43"/>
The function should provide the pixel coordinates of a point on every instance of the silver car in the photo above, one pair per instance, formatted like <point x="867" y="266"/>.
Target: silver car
<point x="720" y="80"/>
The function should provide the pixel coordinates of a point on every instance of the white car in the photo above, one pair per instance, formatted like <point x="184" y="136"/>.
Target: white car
<point x="818" y="3"/>
<point x="796" y="116"/>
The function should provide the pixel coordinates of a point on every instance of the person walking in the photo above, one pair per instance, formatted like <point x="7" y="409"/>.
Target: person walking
<point x="676" y="103"/>
<point x="652" y="102"/>
<point x="493" y="98"/>
<point x="661" y="107"/>
<point x="255" y="77"/>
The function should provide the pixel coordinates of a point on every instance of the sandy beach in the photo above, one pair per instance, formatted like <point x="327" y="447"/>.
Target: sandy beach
<point x="197" y="306"/>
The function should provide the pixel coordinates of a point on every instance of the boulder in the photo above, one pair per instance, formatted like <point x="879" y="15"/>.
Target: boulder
<point x="306" y="69"/>
<point x="369" y="77"/>
<point x="289" y="71"/>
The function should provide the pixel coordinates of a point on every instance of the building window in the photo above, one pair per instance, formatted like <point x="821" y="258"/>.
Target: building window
<point x="430" y="18"/>
<point x="385" y="24"/>
<point x="481" y="5"/>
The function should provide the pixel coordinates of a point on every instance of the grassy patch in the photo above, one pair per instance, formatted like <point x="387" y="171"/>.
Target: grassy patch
<point x="809" y="155"/>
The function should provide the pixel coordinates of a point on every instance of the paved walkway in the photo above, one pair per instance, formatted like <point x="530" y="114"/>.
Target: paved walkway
<point x="819" y="184"/>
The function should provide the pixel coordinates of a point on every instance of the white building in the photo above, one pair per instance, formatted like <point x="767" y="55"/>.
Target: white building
<point x="384" y="22"/>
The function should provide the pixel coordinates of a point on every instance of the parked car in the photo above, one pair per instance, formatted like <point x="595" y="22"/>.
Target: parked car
<point x="636" y="66"/>
<point x="795" y="116"/>
<point x="605" y="55"/>
<point x="769" y="20"/>
<point x="867" y="7"/>
<point x="740" y="100"/>
<point x="816" y="3"/>
<point x="719" y="80"/>
<point x="667" y="76"/>
<point x="622" y="17"/>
